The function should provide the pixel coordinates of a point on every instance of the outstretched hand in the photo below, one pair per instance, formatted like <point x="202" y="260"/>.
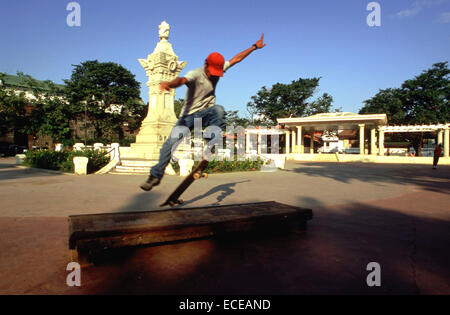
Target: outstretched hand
<point x="259" y="44"/>
<point x="164" y="86"/>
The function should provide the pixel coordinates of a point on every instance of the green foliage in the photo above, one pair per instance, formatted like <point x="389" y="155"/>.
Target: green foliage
<point x="63" y="161"/>
<point x="389" y="102"/>
<point x="177" y="106"/>
<point x="45" y="159"/>
<point x="95" y="87"/>
<point x="226" y="166"/>
<point x="285" y="100"/>
<point x="232" y="118"/>
<point x="12" y="111"/>
<point x="422" y="100"/>
<point x="127" y="141"/>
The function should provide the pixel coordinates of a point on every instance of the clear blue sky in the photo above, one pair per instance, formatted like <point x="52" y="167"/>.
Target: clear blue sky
<point x="330" y="39"/>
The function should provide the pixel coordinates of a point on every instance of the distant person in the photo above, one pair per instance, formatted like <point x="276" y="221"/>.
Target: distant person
<point x="199" y="103"/>
<point x="437" y="154"/>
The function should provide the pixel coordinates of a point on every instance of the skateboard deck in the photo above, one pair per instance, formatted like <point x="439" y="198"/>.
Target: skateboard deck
<point x="196" y="173"/>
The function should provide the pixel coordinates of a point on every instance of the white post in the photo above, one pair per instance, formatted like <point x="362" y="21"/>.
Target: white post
<point x="294" y="142"/>
<point x="446" y="142"/>
<point x="115" y="155"/>
<point x="80" y="165"/>
<point x="361" y="139"/>
<point x="439" y="137"/>
<point x="300" y="140"/>
<point x="311" y="146"/>
<point x="259" y="142"/>
<point x="381" y="141"/>
<point x="247" y="142"/>
<point x="288" y="135"/>
<point x="373" y="146"/>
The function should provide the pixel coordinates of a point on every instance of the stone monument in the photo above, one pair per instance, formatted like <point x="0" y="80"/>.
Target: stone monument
<point x="161" y="65"/>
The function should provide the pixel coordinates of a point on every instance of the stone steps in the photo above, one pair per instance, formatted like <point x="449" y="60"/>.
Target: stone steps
<point x="136" y="167"/>
<point x="133" y="167"/>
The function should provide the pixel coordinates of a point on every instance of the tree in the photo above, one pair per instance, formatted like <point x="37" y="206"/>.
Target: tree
<point x="422" y="100"/>
<point x="389" y="102"/>
<point x="321" y="105"/>
<point x="286" y="100"/>
<point x="48" y="113"/>
<point x="426" y="97"/>
<point x="178" y="105"/>
<point x="13" y="116"/>
<point x="232" y="118"/>
<point x="108" y="93"/>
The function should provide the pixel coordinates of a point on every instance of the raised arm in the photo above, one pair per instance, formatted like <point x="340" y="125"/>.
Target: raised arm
<point x="242" y="55"/>
<point x="172" y="84"/>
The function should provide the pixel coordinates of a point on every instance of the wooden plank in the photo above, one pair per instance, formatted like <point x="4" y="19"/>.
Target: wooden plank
<point x="92" y="233"/>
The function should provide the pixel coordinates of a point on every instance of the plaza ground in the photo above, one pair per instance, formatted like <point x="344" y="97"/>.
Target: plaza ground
<point x="393" y="214"/>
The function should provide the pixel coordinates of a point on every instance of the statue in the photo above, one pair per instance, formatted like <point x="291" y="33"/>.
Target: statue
<point x="164" y="29"/>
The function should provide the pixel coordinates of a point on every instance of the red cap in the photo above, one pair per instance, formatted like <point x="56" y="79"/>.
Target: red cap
<point x="215" y="64"/>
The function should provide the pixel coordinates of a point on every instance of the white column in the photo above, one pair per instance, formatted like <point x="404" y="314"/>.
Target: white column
<point x="259" y="143"/>
<point x="288" y="134"/>
<point x="361" y="139"/>
<point x="247" y="142"/>
<point x="446" y="142"/>
<point x="300" y="147"/>
<point x="381" y="141"/>
<point x="439" y="136"/>
<point x="311" y="146"/>
<point x="294" y="142"/>
<point x="373" y="144"/>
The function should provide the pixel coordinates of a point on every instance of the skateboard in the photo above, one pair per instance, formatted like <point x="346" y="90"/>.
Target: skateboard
<point x="196" y="173"/>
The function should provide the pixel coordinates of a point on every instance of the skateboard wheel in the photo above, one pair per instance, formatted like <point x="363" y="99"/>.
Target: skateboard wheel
<point x="171" y="203"/>
<point x="180" y="201"/>
<point x="205" y="175"/>
<point x="196" y="176"/>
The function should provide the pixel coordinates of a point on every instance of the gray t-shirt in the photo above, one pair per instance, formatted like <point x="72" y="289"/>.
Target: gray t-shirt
<point x="201" y="92"/>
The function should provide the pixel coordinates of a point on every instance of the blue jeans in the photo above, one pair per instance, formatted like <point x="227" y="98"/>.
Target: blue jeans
<point x="213" y="116"/>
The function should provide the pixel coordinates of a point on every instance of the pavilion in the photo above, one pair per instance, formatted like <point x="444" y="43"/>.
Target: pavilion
<point x="299" y="128"/>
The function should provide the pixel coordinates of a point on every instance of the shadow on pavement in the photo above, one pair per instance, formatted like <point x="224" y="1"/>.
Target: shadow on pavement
<point x="421" y="175"/>
<point x="225" y="189"/>
<point x="329" y="258"/>
<point x="7" y="173"/>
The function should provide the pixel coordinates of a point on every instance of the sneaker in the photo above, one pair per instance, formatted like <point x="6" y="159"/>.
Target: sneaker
<point x="150" y="182"/>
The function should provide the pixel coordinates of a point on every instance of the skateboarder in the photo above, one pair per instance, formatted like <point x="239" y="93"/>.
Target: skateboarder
<point x="199" y="103"/>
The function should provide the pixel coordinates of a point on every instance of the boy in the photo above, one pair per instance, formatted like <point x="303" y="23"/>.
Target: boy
<point x="200" y="103"/>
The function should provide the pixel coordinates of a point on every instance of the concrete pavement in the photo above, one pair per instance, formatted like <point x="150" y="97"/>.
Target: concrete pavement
<point x="396" y="215"/>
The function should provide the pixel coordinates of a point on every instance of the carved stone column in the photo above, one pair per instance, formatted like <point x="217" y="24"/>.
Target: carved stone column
<point x="161" y="65"/>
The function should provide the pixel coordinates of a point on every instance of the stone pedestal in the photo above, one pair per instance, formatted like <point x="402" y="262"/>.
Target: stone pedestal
<point x="80" y="165"/>
<point x="19" y="158"/>
<point x="185" y="166"/>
